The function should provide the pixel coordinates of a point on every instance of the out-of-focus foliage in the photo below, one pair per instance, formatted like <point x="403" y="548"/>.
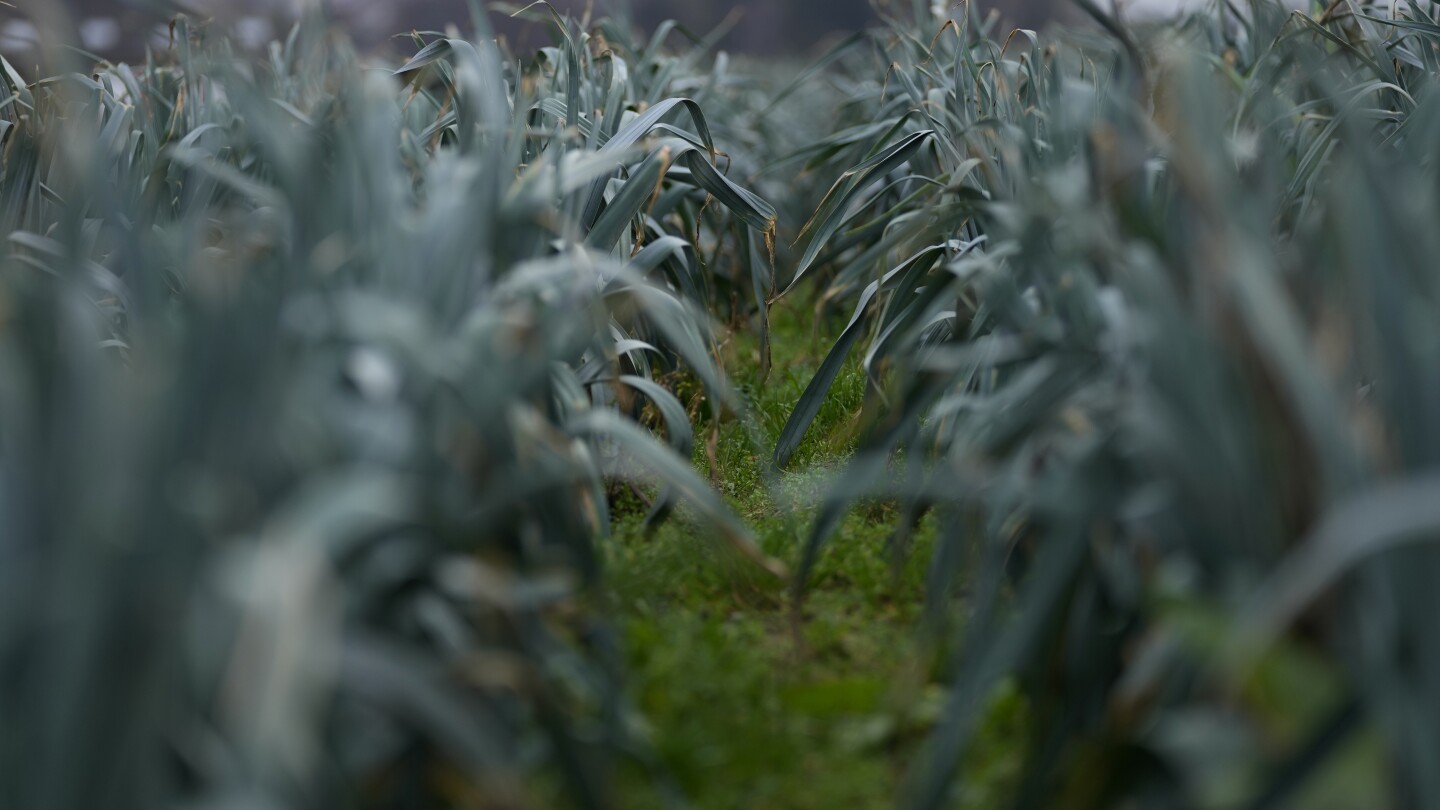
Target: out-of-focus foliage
<point x="776" y="28"/>
<point x="319" y="380"/>
<point x="1152" y="325"/>
<point x="313" y="379"/>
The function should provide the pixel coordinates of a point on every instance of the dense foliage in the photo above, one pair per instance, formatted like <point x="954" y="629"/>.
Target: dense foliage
<point x="1152" y="318"/>
<point x="322" y="385"/>
<point x="314" y="382"/>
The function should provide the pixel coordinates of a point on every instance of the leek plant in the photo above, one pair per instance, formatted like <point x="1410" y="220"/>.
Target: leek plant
<point x="1149" y="320"/>
<point x="316" y="379"/>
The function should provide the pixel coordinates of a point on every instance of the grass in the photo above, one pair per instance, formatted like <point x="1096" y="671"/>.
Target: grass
<point x="746" y="705"/>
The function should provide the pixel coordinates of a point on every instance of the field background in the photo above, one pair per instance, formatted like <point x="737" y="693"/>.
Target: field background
<point x="835" y="405"/>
